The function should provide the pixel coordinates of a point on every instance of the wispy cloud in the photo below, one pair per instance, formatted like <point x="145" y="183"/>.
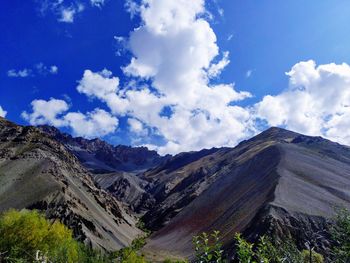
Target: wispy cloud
<point x="22" y="73"/>
<point x="97" y="3"/>
<point x="67" y="14"/>
<point x="37" y="69"/>
<point x="66" y="11"/>
<point x="249" y="73"/>
<point x="132" y="7"/>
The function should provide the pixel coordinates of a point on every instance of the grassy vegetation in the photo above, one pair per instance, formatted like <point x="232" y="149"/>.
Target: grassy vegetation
<point x="26" y="236"/>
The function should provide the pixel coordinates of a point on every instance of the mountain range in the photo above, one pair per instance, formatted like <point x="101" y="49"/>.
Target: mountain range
<point x="279" y="183"/>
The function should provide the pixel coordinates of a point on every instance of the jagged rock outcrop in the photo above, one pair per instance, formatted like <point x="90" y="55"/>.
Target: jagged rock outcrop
<point x="100" y="157"/>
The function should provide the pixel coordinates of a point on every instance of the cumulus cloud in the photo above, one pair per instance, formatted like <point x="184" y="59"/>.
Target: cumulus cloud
<point x="169" y="91"/>
<point x="93" y="124"/>
<point x="102" y="85"/>
<point x="46" y="112"/>
<point x="175" y="50"/>
<point x="317" y="101"/>
<point x="137" y="127"/>
<point x="54" y="112"/>
<point x="2" y="112"/>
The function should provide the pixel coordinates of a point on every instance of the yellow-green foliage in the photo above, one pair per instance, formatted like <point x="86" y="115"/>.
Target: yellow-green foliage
<point x="129" y="255"/>
<point x="24" y="233"/>
<point x="316" y="257"/>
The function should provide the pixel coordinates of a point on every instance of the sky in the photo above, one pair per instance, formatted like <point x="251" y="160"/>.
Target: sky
<point x="177" y="75"/>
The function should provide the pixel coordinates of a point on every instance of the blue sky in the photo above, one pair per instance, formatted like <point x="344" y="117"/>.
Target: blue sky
<point x="48" y="46"/>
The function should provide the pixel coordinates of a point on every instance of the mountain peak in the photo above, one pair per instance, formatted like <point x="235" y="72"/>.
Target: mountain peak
<point x="277" y="133"/>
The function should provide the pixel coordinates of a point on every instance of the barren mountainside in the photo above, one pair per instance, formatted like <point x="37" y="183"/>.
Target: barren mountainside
<point x="37" y="172"/>
<point x="279" y="183"/>
<point x="100" y="157"/>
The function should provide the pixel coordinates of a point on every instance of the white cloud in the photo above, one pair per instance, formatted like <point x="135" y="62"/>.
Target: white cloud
<point x="249" y="73"/>
<point x="53" y="69"/>
<point x="104" y="86"/>
<point x="137" y="127"/>
<point x="94" y="124"/>
<point x="174" y="48"/>
<point x="67" y="14"/>
<point x="2" y="112"/>
<point x="23" y="73"/>
<point x="216" y="69"/>
<point x="229" y="37"/>
<point x="64" y="12"/>
<point x="42" y="69"/>
<point x="132" y="7"/>
<point x="37" y="69"/>
<point x="316" y="103"/>
<point x="46" y="112"/>
<point x="97" y="3"/>
<point x="54" y="112"/>
<point x="221" y="12"/>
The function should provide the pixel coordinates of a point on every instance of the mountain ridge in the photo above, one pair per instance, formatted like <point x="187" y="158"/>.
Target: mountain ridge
<point x="279" y="183"/>
<point x="37" y="172"/>
<point x="258" y="187"/>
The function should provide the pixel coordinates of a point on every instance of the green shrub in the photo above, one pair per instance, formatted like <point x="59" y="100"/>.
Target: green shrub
<point x="128" y="255"/>
<point x="288" y="252"/>
<point x="315" y="257"/>
<point x="208" y="248"/>
<point x="25" y="233"/>
<point x="245" y="252"/>
<point x="264" y="251"/>
<point x="341" y="236"/>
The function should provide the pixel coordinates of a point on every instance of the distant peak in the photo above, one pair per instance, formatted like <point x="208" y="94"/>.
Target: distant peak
<point x="277" y="133"/>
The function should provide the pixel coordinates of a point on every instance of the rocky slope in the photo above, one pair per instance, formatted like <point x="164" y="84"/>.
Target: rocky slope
<point x="114" y="168"/>
<point x="37" y="172"/>
<point x="279" y="182"/>
<point x="100" y="157"/>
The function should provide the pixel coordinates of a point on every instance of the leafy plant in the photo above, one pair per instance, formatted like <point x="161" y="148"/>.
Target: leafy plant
<point x="341" y="236"/>
<point x="266" y="252"/>
<point x="245" y="252"/>
<point x="315" y="257"/>
<point x="288" y="252"/>
<point x="27" y="234"/>
<point x="208" y="247"/>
